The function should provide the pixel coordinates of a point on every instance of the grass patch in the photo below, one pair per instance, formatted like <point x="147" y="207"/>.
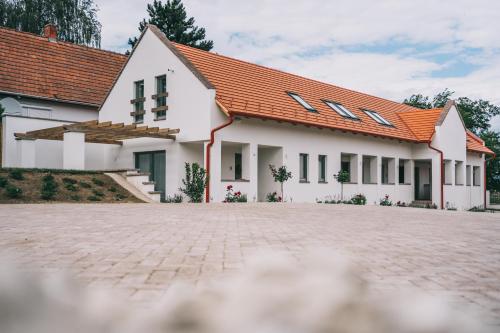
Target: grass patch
<point x="97" y="181"/>
<point x="13" y="192"/>
<point x="16" y="174"/>
<point x="3" y="182"/>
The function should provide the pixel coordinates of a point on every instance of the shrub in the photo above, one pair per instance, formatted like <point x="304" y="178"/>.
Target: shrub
<point x="97" y="193"/>
<point x="16" y="174"/>
<point x="85" y="185"/>
<point x="71" y="187"/>
<point x="176" y="198"/>
<point x="97" y="181"/>
<point x="93" y="198"/>
<point x="112" y="189"/>
<point x="280" y="175"/>
<point x="273" y="197"/>
<point x="3" y="182"/>
<point x="401" y="204"/>
<point x="67" y="180"/>
<point x="359" y="199"/>
<point x="342" y="177"/>
<point x="120" y="197"/>
<point x="75" y="197"/>
<point x="195" y="182"/>
<point x="13" y="192"/>
<point x="232" y="196"/>
<point x="431" y="206"/>
<point x="49" y="187"/>
<point x="385" y="201"/>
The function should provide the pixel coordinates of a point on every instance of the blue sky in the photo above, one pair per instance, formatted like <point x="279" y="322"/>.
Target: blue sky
<point x="388" y="48"/>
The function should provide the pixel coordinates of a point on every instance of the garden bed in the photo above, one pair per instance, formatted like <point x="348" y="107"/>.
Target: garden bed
<point x="42" y="185"/>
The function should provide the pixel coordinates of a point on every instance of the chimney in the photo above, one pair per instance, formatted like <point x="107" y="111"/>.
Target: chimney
<point x="50" y="32"/>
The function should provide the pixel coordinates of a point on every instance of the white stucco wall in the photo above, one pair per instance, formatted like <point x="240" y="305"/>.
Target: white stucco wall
<point x="189" y="101"/>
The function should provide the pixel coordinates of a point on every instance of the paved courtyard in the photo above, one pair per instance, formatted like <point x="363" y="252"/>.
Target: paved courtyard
<point x="141" y="249"/>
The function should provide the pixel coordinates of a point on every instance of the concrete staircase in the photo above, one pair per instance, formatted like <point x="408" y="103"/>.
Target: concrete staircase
<point x="141" y="181"/>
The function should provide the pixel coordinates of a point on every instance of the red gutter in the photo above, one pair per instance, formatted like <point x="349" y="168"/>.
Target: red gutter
<point x="209" y="146"/>
<point x="442" y="172"/>
<point x="486" y="160"/>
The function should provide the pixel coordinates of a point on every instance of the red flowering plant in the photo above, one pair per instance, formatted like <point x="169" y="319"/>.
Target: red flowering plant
<point x="232" y="196"/>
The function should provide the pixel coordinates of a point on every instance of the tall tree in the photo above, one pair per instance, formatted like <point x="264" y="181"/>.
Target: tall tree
<point x="76" y="20"/>
<point x="477" y="115"/>
<point x="171" y="18"/>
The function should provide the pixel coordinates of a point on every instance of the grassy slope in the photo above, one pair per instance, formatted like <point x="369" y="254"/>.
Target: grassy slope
<point x="32" y="183"/>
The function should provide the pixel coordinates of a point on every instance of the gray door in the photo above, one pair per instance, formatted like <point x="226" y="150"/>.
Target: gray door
<point x="154" y="163"/>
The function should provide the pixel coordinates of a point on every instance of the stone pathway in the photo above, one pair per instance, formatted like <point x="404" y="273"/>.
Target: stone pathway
<point x="141" y="249"/>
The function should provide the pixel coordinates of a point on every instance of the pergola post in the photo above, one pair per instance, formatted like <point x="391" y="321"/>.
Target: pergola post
<point x="26" y="152"/>
<point x="74" y="150"/>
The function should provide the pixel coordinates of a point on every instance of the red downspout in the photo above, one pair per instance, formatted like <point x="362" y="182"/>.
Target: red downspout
<point x="442" y="172"/>
<point x="209" y="146"/>
<point x="486" y="160"/>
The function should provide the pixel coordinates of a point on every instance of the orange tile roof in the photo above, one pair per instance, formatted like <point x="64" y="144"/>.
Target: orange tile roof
<point x="474" y="143"/>
<point x="256" y="91"/>
<point x="33" y="66"/>
<point x="421" y="122"/>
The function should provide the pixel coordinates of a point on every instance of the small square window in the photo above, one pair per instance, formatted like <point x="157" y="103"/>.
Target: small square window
<point x="302" y="102"/>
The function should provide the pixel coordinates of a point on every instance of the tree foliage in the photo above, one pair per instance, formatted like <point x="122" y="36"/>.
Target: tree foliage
<point x="76" y="19"/>
<point x="171" y="18"/>
<point x="342" y="177"/>
<point x="280" y="175"/>
<point x="477" y="115"/>
<point x="195" y="182"/>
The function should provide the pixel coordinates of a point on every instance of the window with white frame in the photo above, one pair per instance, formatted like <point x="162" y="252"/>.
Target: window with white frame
<point x="341" y="110"/>
<point x="138" y="101"/>
<point x="378" y="118"/>
<point x="304" y="167"/>
<point x="301" y="101"/>
<point x="369" y="169"/>
<point x="388" y="170"/>
<point x="322" y="168"/>
<point x="476" y="176"/>
<point x="349" y="163"/>
<point x="468" y="178"/>
<point x="459" y="173"/>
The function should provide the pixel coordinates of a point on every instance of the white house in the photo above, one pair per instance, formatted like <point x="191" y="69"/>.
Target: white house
<point x="237" y="118"/>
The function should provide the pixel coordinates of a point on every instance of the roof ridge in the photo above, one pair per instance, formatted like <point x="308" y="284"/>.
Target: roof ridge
<point x="292" y="74"/>
<point x="61" y="42"/>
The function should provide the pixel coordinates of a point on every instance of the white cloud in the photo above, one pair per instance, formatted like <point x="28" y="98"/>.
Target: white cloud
<point x="309" y="38"/>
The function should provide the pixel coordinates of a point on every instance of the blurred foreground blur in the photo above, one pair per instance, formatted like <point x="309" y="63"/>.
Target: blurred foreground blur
<point x="274" y="294"/>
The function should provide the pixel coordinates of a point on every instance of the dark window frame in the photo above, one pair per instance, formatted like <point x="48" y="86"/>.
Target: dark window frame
<point x="347" y="114"/>
<point x="322" y="168"/>
<point x="375" y="116"/>
<point x="160" y="97"/>
<point x="308" y="106"/>
<point x="304" y="167"/>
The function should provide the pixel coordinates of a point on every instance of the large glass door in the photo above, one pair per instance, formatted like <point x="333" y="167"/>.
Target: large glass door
<point x="154" y="163"/>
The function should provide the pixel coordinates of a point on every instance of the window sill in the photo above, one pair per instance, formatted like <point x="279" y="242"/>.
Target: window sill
<point x="353" y="183"/>
<point x="370" y="183"/>
<point x="159" y="119"/>
<point x="235" y="180"/>
<point x="138" y="122"/>
<point x="477" y="185"/>
<point x="388" y="183"/>
<point x="447" y="184"/>
<point x="404" y="183"/>
<point x="322" y="182"/>
<point x="459" y="184"/>
<point x="304" y="181"/>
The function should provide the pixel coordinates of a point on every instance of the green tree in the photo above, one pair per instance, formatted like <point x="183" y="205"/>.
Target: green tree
<point x="477" y="115"/>
<point x="76" y="19"/>
<point x="195" y="182"/>
<point x="171" y="18"/>
<point x="342" y="177"/>
<point x="280" y="175"/>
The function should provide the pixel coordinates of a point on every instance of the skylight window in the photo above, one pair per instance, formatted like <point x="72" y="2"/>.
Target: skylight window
<point x="302" y="102"/>
<point x="341" y="110"/>
<point x="378" y="118"/>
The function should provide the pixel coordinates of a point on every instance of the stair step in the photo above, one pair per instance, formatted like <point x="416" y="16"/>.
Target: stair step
<point x="138" y="174"/>
<point x="154" y="192"/>
<point x="149" y="183"/>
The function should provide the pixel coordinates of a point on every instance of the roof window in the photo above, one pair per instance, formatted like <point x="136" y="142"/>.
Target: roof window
<point x="302" y="102"/>
<point x="378" y="118"/>
<point x="341" y="110"/>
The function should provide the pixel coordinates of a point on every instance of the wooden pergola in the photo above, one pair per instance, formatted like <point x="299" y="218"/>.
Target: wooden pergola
<point x="104" y="132"/>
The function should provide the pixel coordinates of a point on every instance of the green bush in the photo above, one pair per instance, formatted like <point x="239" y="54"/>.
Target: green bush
<point x="385" y="201"/>
<point x="273" y="197"/>
<point x="13" y="192"/>
<point x="3" y="182"/>
<point x="67" y="180"/>
<point x="93" y="198"/>
<point x="176" y="198"/>
<point x="85" y="184"/>
<point x="97" y="193"/>
<point x="195" y="182"/>
<point x="120" y="197"/>
<point x="49" y="187"/>
<point x="358" y="199"/>
<point x="75" y="197"/>
<point x="112" y="189"/>
<point x="97" y="181"/>
<point x="71" y="187"/>
<point x="16" y="174"/>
